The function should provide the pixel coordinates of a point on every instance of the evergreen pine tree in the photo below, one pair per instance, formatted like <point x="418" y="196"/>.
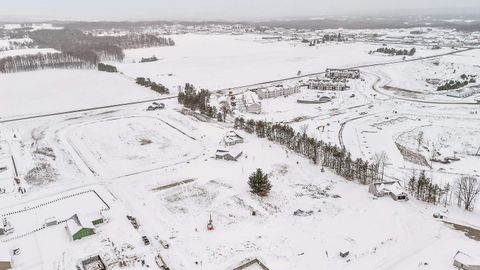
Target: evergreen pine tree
<point x="259" y="183"/>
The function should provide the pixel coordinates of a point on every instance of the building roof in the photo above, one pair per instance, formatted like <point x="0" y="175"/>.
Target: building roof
<point x="393" y="187"/>
<point x="4" y="253"/>
<point x="222" y="152"/>
<point x="251" y="98"/>
<point x="466" y="259"/>
<point x="78" y="222"/>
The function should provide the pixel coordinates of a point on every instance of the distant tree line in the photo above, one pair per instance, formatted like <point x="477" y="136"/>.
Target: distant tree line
<point x="157" y="87"/>
<point x="107" y="68"/>
<point x="21" y="63"/>
<point x="456" y="84"/>
<point x="393" y="51"/>
<point x="149" y="59"/>
<point x="87" y="48"/>
<point x="328" y="155"/>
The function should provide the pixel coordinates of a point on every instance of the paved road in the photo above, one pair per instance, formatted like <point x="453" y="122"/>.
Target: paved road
<point x="225" y="89"/>
<point x="84" y="110"/>
<point x="358" y="66"/>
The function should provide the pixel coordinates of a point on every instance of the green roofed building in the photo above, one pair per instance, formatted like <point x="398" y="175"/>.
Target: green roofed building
<point x="79" y="227"/>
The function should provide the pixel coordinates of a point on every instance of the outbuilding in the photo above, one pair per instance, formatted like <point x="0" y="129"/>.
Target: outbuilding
<point x="5" y="258"/>
<point x="231" y="155"/>
<point x="79" y="227"/>
<point x="464" y="261"/>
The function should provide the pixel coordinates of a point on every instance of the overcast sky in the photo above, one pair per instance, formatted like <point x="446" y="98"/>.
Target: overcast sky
<point x="216" y="9"/>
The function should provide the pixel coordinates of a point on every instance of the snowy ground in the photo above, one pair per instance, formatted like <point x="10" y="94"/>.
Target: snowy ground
<point x="223" y="61"/>
<point x="50" y="91"/>
<point x="159" y="166"/>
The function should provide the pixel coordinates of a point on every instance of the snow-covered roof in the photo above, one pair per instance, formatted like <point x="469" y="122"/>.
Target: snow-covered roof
<point x="466" y="259"/>
<point x="390" y="187"/>
<point x="78" y="222"/>
<point x="250" y="98"/>
<point x="233" y="153"/>
<point x="4" y="254"/>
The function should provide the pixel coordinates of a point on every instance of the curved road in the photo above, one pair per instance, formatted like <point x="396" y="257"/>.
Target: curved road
<point x="228" y="89"/>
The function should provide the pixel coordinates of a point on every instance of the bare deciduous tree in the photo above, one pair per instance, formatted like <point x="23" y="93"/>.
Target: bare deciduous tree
<point x="419" y="139"/>
<point x="380" y="159"/>
<point x="467" y="189"/>
<point x="304" y="128"/>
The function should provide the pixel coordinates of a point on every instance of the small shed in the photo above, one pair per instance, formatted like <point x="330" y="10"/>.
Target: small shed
<point x="52" y="221"/>
<point x="5" y="258"/>
<point x="79" y="227"/>
<point x="231" y="155"/>
<point x="464" y="261"/>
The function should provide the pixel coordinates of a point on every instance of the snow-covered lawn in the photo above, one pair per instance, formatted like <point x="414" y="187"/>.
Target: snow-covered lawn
<point x="120" y="146"/>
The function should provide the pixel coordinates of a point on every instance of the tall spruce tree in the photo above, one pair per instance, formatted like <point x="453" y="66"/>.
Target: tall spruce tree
<point x="259" y="183"/>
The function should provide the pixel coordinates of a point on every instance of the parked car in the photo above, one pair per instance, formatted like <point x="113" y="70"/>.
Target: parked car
<point x="156" y="106"/>
<point x="145" y="240"/>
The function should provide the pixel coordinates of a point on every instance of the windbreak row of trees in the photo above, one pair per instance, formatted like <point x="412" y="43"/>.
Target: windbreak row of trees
<point x="393" y="51"/>
<point x="41" y="61"/>
<point x="107" y="68"/>
<point x="328" y="155"/>
<point x="455" y="84"/>
<point x="157" y="87"/>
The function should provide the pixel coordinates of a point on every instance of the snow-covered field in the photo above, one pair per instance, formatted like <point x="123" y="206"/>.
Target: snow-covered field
<point x="223" y="61"/>
<point x="159" y="166"/>
<point x="51" y="91"/>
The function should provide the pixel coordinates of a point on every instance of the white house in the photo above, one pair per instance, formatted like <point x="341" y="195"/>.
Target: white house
<point x="464" y="261"/>
<point x="251" y="102"/>
<point x="393" y="188"/>
<point x="232" y="138"/>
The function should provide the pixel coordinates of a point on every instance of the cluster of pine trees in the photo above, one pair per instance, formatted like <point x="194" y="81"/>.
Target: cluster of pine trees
<point x="107" y="68"/>
<point x="199" y="100"/>
<point x="328" y="155"/>
<point x="393" y="51"/>
<point x="41" y="61"/>
<point x="157" y="87"/>
<point x="423" y="189"/>
<point x="455" y="84"/>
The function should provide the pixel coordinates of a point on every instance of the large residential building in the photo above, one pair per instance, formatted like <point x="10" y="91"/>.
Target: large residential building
<point x="393" y="188"/>
<point x="277" y="91"/>
<point x="342" y="73"/>
<point x="251" y="102"/>
<point x="326" y="85"/>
